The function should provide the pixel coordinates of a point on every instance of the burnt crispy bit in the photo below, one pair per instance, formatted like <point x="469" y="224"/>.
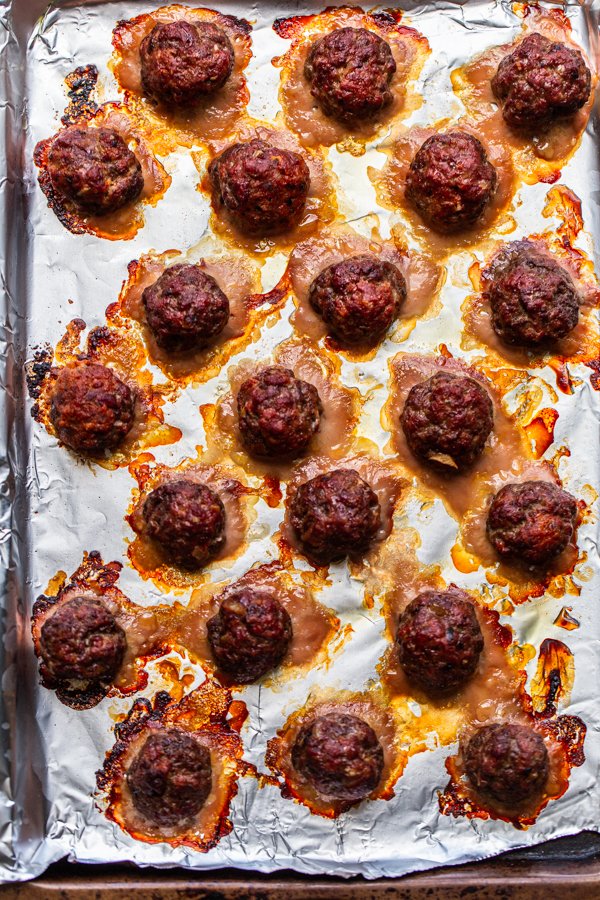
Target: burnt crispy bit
<point x="278" y="414"/>
<point x="451" y="181"/>
<point x="187" y="521"/>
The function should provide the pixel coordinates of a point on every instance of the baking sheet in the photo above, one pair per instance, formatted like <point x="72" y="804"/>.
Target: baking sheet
<point x="63" y="507"/>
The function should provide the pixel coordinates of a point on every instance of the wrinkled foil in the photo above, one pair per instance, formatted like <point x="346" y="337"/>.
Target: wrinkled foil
<point x="55" y="508"/>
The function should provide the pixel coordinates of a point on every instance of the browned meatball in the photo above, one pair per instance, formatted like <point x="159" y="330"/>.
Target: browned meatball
<point x="185" y="309"/>
<point x="447" y="420"/>
<point x="187" y="521"/>
<point x="541" y="81"/>
<point x="439" y="641"/>
<point x="182" y="62"/>
<point x="262" y="187"/>
<point x="171" y="778"/>
<point x="340" y="755"/>
<point x="532" y="298"/>
<point x="359" y="298"/>
<point x="349" y="71"/>
<point x="94" y="169"/>
<point x="91" y="409"/>
<point x="250" y="634"/>
<point x="335" y="515"/>
<point x="278" y="414"/>
<point x="508" y="763"/>
<point x="82" y="642"/>
<point x="451" y="181"/>
<point x="531" y="522"/>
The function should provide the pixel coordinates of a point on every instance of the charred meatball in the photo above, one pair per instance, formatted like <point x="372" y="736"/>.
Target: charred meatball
<point x="185" y="309"/>
<point x="349" y="71"/>
<point x="250" y="634"/>
<point x="187" y="521"/>
<point x="82" y="642"/>
<point x="171" y="778"/>
<point x="439" y="641"/>
<point x="359" y="298"/>
<point x="335" y="515"/>
<point x="447" y="421"/>
<point x="451" y="181"/>
<point x="532" y="298"/>
<point x="262" y="187"/>
<point x="539" y="82"/>
<point x="182" y="62"/>
<point x="531" y="522"/>
<point x="508" y="763"/>
<point x="340" y="756"/>
<point x="94" y="169"/>
<point x="278" y="414"/>
<point x="91" y="409"/>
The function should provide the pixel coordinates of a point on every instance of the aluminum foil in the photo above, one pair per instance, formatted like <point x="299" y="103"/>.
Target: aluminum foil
<point x="60" y="508"/>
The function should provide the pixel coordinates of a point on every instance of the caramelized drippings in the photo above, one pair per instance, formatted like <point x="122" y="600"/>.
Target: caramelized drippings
<point x="301" y="112"/>
<point x="123" y="353"/>
<point x="125" y="223"/>
<point x="389" y="184"/>
<point x="539" y="156"/>
<point x="331" y="246"/>
<point x="213" y="117"/>
<point x="205" y="714"/>
<point x="81" y="84"/>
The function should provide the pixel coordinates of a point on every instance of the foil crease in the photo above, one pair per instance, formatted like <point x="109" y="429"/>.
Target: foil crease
<point x="52" y="508"/>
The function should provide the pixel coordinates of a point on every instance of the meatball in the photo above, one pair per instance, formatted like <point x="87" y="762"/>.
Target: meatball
<point x="185" y="309"/>
<point x="82" y="642"/>
<point x="340" y="756"/>
<point x="532" y="298"/>
<point x="451" y="181"/>
<point x="531" y="522"/>
<point x="349" y="71"/>
<point x="94" y="169"/>
<point x="250" y="634"/>
<point x="91" y="409"/>
<point x="539" y="82"/>
<point x="187" y="521"/>
<point x="335" y="515"/>
<point x="262" y="187"/>
<point x="171" y="778"/>
<point x="359" y="298"/>
<point x="439" y="641"/>
<point x="278" y="414"/>
<point x="508" y="763"/>
<point x="182" y="62"/>
<point x="447" y="420"/>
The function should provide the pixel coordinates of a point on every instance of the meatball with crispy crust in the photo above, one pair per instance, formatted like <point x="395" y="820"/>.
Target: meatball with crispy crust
<point x="278" y="414"/>
<point x="439" y="641"/>
<point x="94" y="169"/>
<point x="539" y="82"/>
<point x="508" y="763"/>
<point x="447" y="420"/>
<point x="349" y="72"/>
<point x="250" y="635"/>
<point x="91" y="409"/>
<point x="358" y="298"/>
<point x="532" y="298"/>
<point x="335" y="515"/>
<point x="187" y="522"/>
<point x="262" y="187"/>
<point x="182" y="62"/>
<point x="185" y="309"/>
<point x="451" y="181"/>
<point x="82" y="642"/>
<point x="531" y="522"/>
<point x="170" y="779"/>
<point x="340" y="756"/>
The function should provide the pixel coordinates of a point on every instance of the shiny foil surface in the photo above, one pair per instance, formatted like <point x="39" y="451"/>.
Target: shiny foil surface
<point x="53" y="507"/>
